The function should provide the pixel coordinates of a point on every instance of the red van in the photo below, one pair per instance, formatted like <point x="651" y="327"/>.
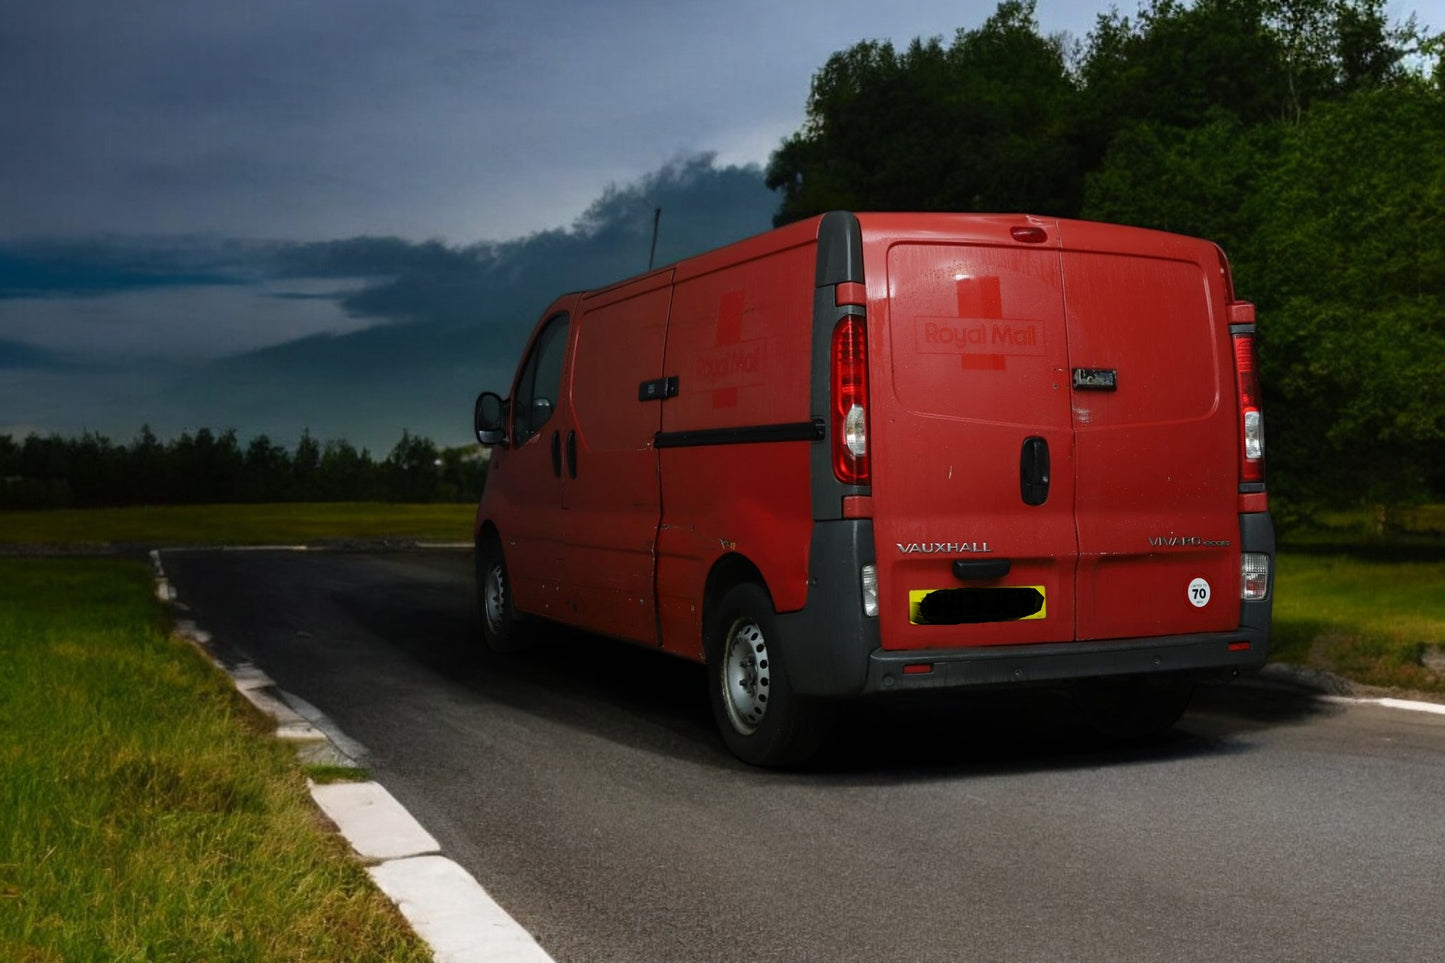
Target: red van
<point x="878" y="453"/>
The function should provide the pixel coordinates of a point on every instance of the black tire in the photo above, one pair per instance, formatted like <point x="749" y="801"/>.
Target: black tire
<point x="503" y="628"/>
<point x="1133" y="707"/>
<point x="762" y="720"/>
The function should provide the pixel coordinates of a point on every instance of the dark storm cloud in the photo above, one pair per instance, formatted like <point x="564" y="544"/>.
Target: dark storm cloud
<point x="369" y="280"/>
<point x="93" y="267"/>
<point x="451" y="321"/>
<point x="429" y="323"/>
<point x="17" y="355"/>
<point x="702" y="206"/>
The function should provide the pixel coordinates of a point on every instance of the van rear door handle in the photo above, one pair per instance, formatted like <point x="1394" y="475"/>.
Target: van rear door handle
<point x="557" y="453"/>
<point x="1034" y="471"/>
<point x="571" y="454"/>
<point x="981" y="569"/>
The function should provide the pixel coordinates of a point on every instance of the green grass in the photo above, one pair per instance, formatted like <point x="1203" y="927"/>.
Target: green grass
<point x="145" y="814"/>
<point x="154" y="527"/>
<point x="1415" y="521"/>
<point x="325" y="775"/>
<point x="1361" y="593"/>
<point x="1371" y="620"/>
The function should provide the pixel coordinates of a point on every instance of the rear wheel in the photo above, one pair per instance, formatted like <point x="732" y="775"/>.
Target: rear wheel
<point x="1133" y="707"/>
<point x="762" y="720"/>
<point x="503" y="628"/>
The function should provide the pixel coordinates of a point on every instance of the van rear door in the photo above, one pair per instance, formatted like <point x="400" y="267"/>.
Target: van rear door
<point x="1155" y="455"/>
<point x="970" y="434"/>
<point x="1052" y="432"/>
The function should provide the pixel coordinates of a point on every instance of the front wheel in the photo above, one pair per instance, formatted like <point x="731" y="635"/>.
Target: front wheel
<point x="762" y="720"/>
<point x="503" y="628"/>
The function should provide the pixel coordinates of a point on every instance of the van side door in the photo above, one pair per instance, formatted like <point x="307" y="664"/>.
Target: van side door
<point x="611" y="488"/>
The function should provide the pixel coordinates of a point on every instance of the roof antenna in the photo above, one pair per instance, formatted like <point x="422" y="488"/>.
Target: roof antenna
<point x="656" y="219"/>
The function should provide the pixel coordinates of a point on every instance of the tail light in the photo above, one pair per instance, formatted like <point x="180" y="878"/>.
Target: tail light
<point x="850" y="402"/>
<point x="1253" y="575"/>
<point x="1251" y="415"/>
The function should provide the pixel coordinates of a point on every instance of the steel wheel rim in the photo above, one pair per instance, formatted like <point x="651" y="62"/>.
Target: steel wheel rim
<point x="746" y="676"/>
<point x="494" y="593"/>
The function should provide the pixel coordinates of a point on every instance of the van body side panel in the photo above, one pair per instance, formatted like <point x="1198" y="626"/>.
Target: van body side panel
<point x="738" y="342"/>
<point x="1155" y="456"/>
<point x="969" y="372"/>
<point x="611" y="488"/>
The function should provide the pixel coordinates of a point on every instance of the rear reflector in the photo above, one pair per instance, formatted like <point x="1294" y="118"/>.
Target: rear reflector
<point x="850" y="293"/>
<point x="918" y="668"/>
<point x="1251" y="503"/>
<point x="1239" y="646"/>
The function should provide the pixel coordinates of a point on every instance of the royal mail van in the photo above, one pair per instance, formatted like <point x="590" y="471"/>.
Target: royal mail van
<point x="883" y="453"/>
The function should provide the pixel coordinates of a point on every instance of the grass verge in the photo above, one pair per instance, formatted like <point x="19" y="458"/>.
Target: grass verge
<point x="176" y="525"/>
<point x="1377" y="621"/>
<point x="144" y="811"/>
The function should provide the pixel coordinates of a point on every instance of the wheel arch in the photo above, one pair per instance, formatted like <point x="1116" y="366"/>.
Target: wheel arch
<point x="729" y="570"/>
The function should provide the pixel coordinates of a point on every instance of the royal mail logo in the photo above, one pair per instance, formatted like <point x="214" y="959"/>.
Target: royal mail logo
<point x="965" y="336"/>
<point x="731" y="366"/>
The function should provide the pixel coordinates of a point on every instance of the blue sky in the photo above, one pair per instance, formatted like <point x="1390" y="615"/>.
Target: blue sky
<point x="236" y="215"/>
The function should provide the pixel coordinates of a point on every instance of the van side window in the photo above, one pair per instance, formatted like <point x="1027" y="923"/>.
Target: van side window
<point x="540" y="381"/>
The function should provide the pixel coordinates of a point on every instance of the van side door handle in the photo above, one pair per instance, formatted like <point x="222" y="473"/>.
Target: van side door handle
<point x="1034" y="471"/>
<point x="571" y="454"/>
<point x="557" y="453"/>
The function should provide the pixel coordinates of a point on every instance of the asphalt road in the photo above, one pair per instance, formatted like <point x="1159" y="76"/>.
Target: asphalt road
<point x="582" y="783"/>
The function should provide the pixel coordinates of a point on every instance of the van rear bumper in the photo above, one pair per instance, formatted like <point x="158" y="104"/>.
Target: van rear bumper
<point x="1218" y="653"/>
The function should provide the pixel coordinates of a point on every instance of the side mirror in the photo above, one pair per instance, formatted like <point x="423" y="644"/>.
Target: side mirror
<point x="490" y="419"/>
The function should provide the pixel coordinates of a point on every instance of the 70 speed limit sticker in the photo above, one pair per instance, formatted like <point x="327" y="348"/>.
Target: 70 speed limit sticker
<point x="1199" y="593"/>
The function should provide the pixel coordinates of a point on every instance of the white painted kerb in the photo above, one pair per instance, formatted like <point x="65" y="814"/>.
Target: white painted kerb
<point x="450" y="910"/>
<point x="376" y="825"/>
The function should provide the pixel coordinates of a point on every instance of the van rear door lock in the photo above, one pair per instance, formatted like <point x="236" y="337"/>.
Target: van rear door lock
<point x="1096" y="379"/>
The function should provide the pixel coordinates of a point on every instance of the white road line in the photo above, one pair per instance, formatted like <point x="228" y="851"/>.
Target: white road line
<point x="265" y="548"/>
<point x="1408" y="705"/>
<point x="1431" y="707"/>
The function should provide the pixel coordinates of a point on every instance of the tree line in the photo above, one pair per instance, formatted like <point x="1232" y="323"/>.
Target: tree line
<point x="209" y="467"/>
<point x="1307" y="137"/>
